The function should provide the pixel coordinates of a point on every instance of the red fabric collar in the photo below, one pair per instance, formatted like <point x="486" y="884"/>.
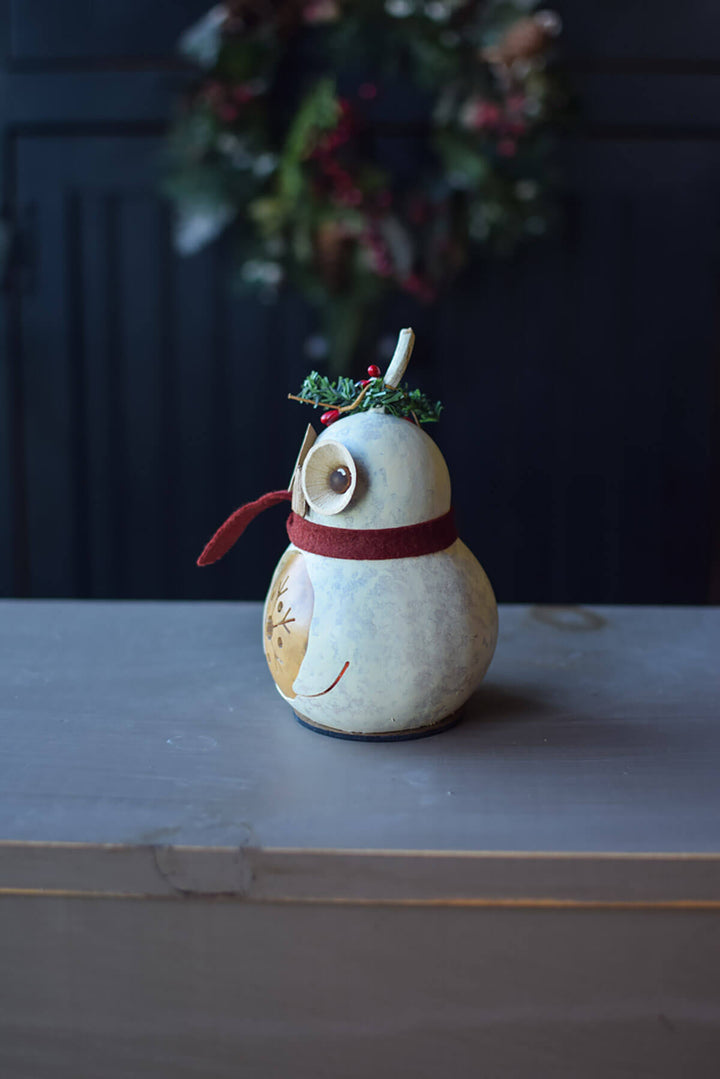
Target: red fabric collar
<point x="407" y="541"/>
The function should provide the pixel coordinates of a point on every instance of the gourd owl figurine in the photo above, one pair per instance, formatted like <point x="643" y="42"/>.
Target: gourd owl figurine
<point x="379" y="622"/>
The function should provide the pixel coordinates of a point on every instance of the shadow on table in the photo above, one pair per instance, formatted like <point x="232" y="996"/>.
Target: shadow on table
<point x="494" y="702"/>
<point x="524" y="718"/>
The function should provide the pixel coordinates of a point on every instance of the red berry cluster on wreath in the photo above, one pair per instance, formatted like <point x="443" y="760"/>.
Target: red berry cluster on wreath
<point x="227" y="100"/>
<point x="334" y="177"/>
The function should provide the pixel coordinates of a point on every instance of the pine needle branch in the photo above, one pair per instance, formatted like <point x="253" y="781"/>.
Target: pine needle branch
<point x="319" y="391"/>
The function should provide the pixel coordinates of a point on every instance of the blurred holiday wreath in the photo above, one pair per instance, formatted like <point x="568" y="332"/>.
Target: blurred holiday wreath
<point x="282" y="142"/>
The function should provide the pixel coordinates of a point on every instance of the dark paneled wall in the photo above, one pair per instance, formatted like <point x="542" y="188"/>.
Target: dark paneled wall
<point x="140" y="401"/>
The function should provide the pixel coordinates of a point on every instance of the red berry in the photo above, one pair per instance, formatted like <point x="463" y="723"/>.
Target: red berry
<point x="228" y="113"/>
<point x="329" y="417"/>
<point x="488" y="114"/>
<point x="374" y="371"/>
<point x="364" y="382"/>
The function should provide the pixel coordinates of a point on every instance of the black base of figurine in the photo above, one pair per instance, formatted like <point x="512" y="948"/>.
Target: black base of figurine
<point x="401" y="736"/>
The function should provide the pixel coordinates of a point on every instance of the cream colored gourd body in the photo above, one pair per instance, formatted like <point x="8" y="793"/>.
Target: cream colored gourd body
<point x="414" y="636"/>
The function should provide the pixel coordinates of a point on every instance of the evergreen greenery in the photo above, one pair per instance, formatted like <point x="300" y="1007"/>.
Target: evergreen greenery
<point x="280" y="143"/>
<point x="322" y="392"/>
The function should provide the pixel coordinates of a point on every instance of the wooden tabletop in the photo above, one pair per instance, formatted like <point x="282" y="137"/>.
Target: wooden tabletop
<point x="157" y="723"/>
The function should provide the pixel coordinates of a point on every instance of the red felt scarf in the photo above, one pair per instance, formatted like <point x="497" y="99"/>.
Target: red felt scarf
<point x="230" y="532"/>
<point x="407" y="541"/>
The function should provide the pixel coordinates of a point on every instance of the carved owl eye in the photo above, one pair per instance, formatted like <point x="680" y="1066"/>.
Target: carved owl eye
<point x="329" y="477"/>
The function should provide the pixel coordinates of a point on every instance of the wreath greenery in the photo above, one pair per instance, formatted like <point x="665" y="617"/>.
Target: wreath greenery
<point x="283" y="143"/>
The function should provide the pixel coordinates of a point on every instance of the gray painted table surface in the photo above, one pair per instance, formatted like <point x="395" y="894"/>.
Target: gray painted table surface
<point x="193" y="885"/>
<point x="595" y="730"/>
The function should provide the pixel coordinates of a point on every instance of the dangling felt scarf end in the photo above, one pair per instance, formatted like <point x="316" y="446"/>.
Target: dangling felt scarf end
<point x="230" y="532"/>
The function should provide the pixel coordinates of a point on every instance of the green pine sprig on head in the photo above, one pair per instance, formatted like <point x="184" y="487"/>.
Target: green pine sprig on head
<point x="344" y="396"/>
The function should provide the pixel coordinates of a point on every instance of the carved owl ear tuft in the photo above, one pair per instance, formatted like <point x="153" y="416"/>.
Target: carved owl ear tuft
<point x="298" y="503"/>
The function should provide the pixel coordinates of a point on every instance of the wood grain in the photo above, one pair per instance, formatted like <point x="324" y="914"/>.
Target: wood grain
<point x="597" y="730"/>
<point x="172" y="990"/>
<point x="543" y="895"/>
